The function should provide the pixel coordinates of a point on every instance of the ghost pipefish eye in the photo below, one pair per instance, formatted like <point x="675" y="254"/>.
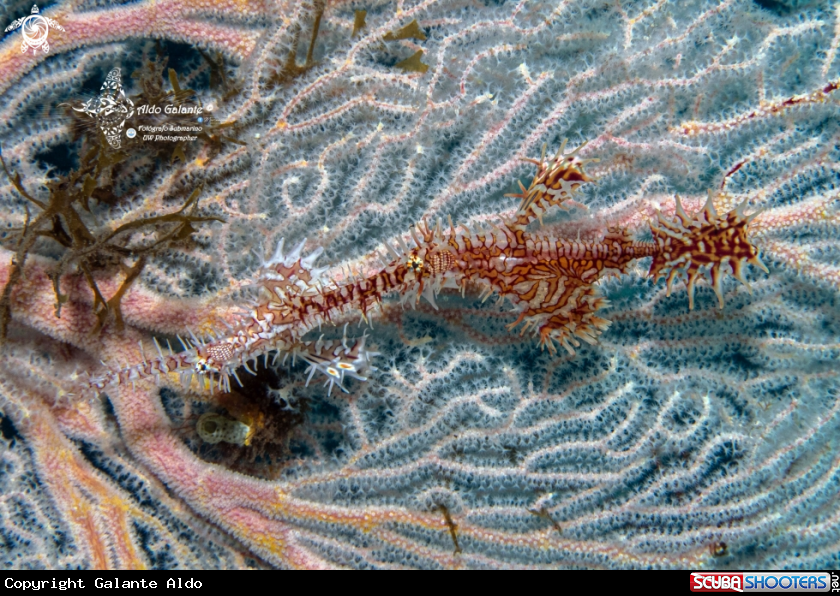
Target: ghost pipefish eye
<point x="415" y="263"/>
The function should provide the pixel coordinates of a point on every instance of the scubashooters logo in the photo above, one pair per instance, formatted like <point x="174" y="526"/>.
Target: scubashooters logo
<point x="35" y="30"/>
<point x="715" y="581"/>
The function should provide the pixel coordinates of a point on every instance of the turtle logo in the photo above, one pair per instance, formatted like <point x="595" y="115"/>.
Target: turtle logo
<point x="35" y="30"/>
<point x="111" y="109"/>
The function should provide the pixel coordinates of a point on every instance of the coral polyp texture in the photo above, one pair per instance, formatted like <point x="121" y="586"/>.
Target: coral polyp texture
<point x="435" y="284"/>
